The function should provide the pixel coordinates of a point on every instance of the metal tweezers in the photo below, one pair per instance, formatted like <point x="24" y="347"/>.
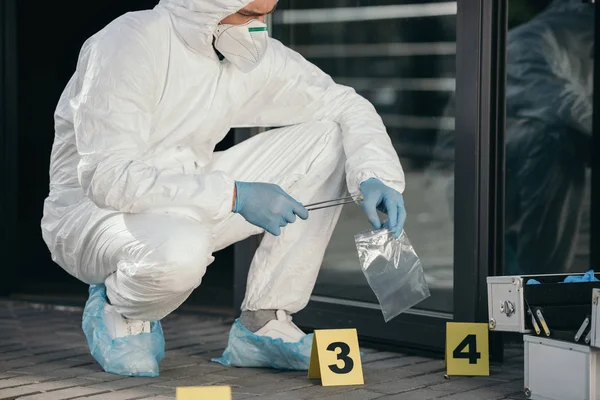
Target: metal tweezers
<point x="335" y="202"/>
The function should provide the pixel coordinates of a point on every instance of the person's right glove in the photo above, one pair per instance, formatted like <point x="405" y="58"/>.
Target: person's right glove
<point x="267" y="206"/>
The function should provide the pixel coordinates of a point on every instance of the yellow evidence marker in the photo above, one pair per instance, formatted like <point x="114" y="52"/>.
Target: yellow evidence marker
<point x="467" y="349"/>
<point x="335" y="358"/>
<point x="203" y="393"/>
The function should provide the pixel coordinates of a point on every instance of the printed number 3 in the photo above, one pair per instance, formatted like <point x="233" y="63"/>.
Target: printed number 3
<point x="471" y="342"/>
<point x="343" y="356"/>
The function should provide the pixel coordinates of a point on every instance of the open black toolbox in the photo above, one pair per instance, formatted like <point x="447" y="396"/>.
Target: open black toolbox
<point x="553" y="308"/>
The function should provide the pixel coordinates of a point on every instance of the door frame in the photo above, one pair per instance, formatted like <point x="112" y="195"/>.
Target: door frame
<point x="595" y="149"/>
<point x="479" y="244"/>
<point x="8" y="143"/>
<point x="478" y="202"/>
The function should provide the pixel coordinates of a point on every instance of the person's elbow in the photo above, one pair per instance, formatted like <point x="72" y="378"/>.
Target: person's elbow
<point x="99" y="182"/>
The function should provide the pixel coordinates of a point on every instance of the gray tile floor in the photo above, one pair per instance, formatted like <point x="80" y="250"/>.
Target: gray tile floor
<point x="44" y="356"/>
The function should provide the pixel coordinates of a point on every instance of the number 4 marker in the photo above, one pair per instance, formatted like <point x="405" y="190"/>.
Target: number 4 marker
<point x="335" y="358"/>
<point x="469" y="343"/>
<point x="467" y="351"/>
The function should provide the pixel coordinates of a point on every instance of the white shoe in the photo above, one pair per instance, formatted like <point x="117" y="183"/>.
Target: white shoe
<point x="281" y="328"/>
<point x="119" y="326"/>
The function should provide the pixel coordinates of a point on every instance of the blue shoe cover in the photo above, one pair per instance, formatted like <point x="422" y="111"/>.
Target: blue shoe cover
<point x="246" y="349"/>
<point x="137" y="355"/>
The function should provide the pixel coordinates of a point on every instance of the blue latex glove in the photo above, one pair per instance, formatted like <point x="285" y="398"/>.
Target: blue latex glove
<point x="137" y="355"/>
<point x="267" y="206"/>
<point x="378" y="196"/>
<point x="587" y="277"/>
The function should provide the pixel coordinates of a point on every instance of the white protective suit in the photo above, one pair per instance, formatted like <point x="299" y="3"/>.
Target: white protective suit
<point x="138" y="198"/>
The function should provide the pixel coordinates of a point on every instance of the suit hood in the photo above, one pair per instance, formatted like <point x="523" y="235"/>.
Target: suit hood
<point x="196" y="20"/>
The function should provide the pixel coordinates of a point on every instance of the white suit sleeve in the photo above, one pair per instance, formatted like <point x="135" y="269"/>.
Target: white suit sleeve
<point x="119" y="88"/>
<point x="295" y="91"/>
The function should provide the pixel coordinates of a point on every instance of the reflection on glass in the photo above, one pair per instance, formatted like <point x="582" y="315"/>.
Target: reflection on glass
<point x="548" y="136"/>
<point x="400" y="55"/>
<point x="549" y="94"/>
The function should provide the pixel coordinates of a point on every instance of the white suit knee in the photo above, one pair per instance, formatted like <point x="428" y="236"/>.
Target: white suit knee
<point x="154" y="261"/>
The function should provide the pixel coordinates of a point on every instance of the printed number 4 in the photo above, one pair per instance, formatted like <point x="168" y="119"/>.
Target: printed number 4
<point x="471" y="342"/>
<point x="343" y="356"/>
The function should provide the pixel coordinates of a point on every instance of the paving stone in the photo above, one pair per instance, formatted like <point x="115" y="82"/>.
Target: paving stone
<point x="425" y="367"/>
<point x="25" y="353"/>
<point x="360" y="394"/>
<point x="15" y="354"/>
<point x="419" y="394"/>
<point x="47" y="343"/>
<point x="271" y="387"/>
<point x="507" y="373"/>
<point x="381" y="355"/>
<point x="257" y="380"/>
<point x="23" y="380"/>
<point x="293" y="395"/>
<point x="7" y="348"/>
<point x="50" y="366"/>
<point x="191" y="370"/>
<point x="82" y="371"/>
<point x="515" y="395"/>
<point x="64" y="394"/>
<point x="202" y="380"/>
<point x="246" y="372"/>
<point x="175" y="362"/>
<point x="500" y="391"/>
<point x="310" y="392"/>
<point x="40" y="387"/>
<point x="130" y="394"/>
<point x="15" y="364"/>
<point x="461" y="384"/>
<point x="208" y="350"/>
<point x="407" y="384"/>
<point x="512" y="387"/>
<point x="396" y="362"/>
<point x="125" y="383"/>
<point x="379" y="376"/>
<point x="244" y="396"/>
<point x="102" y="376"/>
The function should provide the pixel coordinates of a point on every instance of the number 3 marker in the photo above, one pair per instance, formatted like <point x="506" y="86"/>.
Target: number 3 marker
<point x="335" y="358"/>
<point x="343" y="355"/>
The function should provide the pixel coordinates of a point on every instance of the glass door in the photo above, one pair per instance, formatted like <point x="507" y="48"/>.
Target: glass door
<point x="551" y="172"/>
<point x="403" y="57"/>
